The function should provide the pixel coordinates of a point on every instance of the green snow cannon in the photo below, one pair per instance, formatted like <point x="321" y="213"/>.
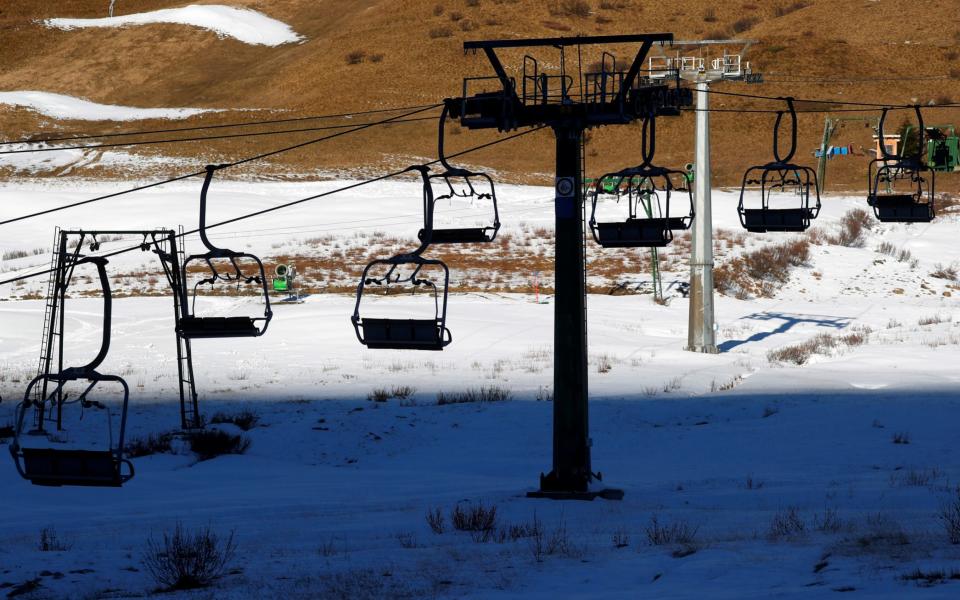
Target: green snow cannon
<point x="281" y="280"/>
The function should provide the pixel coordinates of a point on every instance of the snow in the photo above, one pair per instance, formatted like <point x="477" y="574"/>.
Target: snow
<point x="334" y="488"/>
<point x="61" y="106"/>
<point x="245" y="25"/>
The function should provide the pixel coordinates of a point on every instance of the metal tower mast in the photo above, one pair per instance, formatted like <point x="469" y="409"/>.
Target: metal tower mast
<point x="701" y="336"/>
<point x="605" y="98"/>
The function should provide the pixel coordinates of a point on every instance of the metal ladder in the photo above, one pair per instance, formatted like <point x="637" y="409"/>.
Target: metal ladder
<point x="190" y="417"/>
<point x="50" y="332"/>
<point x="586" y="228"/>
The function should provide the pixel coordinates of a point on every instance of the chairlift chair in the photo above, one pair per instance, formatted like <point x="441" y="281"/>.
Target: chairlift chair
<point x="404" y="334"/>
<point x="776" y="179"/>
<point x="901" y="188"/>
<point x="192" y="326"/>
<point x="648" y="188"/>
<point x="51" y="466"/>
<point x="455" y="182"/>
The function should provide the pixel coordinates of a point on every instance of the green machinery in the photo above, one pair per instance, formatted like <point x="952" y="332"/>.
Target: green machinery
<point x="648" y="209"/>
<point x="943" y="148"/>
<point x="830" y="127"/>
<point x="943" y="144"/>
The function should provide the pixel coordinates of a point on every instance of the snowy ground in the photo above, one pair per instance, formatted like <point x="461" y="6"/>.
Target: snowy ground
<point x="245" y="25"/>
<point x="330" y="499"/>
<point x="61" y="106"/>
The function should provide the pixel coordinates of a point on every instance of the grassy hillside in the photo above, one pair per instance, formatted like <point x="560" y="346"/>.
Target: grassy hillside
<point x="363" y="54"/>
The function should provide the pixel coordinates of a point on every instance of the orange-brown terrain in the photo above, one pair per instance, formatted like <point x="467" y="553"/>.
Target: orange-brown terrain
<point x="369" y="54"/>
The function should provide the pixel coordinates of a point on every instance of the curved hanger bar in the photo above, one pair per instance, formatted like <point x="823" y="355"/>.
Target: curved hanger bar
<point x="921" y="132"/>
<point x="649" y="140"/>
<point x="427" y="205"/>
<point x="793" y="133"/>
<point x="203" y="209"/>
<point x="101" y="264"/>
<point x="440" y="137"/>
<point x="883" y="147"/>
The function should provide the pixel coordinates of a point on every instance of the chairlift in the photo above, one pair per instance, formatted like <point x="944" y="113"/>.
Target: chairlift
<point x="53" y="466"/>
<point x="456" y="183"/>
<point x="192" y="326"/>
<point x="404" y="334"/>
<point x="907" y="182"/>
<point x="649" y="191"/>
<point x="780" y="183"/>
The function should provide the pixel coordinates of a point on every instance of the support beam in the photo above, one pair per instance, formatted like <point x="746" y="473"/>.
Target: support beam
<point x="701" y="336"/>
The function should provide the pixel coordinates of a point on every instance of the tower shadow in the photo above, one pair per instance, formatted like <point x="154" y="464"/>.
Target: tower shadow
<point x="789" y="321"/>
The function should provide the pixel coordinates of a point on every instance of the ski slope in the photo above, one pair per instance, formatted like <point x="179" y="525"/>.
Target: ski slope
<point x="62" y="106"/>
<point x="248" y="26"/>
<point x="331" y="496"/>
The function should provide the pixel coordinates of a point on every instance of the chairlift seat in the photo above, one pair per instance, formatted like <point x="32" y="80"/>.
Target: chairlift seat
<point x="465" y="235"/>
<point x="192" y="327"/>
<point x="404" y="334"/>
<point x="53" y="467"/>
<point x="762" y="220"/>
<point x="901" y="208"/>
<point x="639" y="233"/>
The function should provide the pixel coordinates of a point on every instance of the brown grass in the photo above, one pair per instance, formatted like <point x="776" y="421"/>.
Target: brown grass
<point x="170" y="65"/>
<point x="762" y="271"/>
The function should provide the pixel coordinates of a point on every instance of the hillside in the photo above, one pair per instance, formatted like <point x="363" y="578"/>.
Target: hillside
<point x="409" y="52"/>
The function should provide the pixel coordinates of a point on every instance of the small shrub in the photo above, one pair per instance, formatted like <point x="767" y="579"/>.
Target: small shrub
<point x="680" y="532"/>
<point x="440" y="32"/>
<point x="185" y="560"/>
<point x="853" y="228"/>
<point x="620" y="539"/>
<point x="378" y="395"/>
<point x="155" y="443"/>
<point x="950" y="517"/>
<point x="356" y="57"/>
<point x="744" y="24"/>
<point x="786" y="524"/>
<point x="436" y="521"/>
<point x="929" y="578"/>
<point x="710" y="16"/>
<point x="570" y="8"/>
<point x="482" y="394"/>
<point x="407" y="540"/>
<point x="948" y="272"/>
<point x="933" y="320"/>
<point x="211" y="443"/>
<point x="245" y="420"/>
<point x="51" y="542"/>
<point x="761" y="271"/>
<point x="882" y="533"/>
<point x="556" y="543"/>
<point x="477" y="519"/>
<point x="376" y="58"/>
<point x="828" y="521"/>
<point x="901" y="437"/>
<point x="785" y="9"/>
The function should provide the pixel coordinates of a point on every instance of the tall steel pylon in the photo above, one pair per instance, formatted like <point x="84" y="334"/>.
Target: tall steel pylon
<point x="607" y="97"/>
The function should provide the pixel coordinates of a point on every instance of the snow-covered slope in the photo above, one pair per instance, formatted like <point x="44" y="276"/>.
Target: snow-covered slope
<point x="788" y="475"/>
<point x="245" y="25"/>
<point x="60" y="106"/>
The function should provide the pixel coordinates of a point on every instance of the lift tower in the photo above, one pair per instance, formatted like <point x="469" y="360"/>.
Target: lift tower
<point x="607" y="97"/>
